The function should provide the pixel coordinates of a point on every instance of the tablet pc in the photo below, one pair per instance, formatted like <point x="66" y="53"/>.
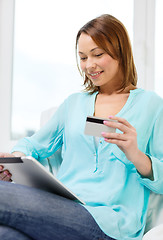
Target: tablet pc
<point x="28" y="171"/>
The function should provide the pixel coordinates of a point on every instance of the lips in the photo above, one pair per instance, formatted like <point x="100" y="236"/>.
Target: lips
<point x="95" y="74"/>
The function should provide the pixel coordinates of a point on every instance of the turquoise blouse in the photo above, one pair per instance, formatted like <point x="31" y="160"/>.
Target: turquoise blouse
<point x="114" y="192"/>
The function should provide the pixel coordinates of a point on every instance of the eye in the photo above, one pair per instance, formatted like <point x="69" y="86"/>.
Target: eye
<point x="100" y="54"/>
<point x="83" y="58"/>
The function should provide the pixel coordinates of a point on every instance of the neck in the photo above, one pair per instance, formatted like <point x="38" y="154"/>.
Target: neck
<point x="113" y="91"/>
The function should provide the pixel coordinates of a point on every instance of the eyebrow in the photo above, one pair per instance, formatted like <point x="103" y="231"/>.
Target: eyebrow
<point x="91" y="50"/>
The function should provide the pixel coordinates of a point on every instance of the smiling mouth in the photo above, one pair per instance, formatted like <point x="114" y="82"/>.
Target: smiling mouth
<point x="95" y="74"/>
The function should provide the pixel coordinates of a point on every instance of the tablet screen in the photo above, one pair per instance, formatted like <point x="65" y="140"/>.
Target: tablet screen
<point x="11" y="160"/>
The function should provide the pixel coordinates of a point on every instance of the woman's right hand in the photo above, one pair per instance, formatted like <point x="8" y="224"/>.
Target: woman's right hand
<point x="14" y="154"/>
<point x="3" y="155"/>
<point x="5" y="175"/>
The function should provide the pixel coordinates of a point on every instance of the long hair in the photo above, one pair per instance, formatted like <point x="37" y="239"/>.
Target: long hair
<point x="107" y="30"/>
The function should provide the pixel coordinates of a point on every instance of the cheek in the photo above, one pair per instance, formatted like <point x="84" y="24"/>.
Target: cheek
<point x="110" y="64"/>
<point x="104" y="62"/>
<point x="82" y="66"/>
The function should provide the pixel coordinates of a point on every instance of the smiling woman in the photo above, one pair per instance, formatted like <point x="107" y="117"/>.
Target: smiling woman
<point x="105" y="54"/>
<point x="99" y="67"/>
<point x="100" y="171"/>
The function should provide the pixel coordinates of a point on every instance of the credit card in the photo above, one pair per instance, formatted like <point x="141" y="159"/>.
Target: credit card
<point x="94" y="126"/>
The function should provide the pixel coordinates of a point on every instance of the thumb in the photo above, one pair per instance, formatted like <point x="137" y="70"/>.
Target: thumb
<point x="3" y="155"/>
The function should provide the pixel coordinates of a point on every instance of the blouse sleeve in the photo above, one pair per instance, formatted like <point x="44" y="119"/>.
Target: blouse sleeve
<point x="155" y="153"/>
<point x="47" y="140"/>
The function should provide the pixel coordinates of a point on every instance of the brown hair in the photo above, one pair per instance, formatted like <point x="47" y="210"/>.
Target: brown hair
<point x="105" y="30"/>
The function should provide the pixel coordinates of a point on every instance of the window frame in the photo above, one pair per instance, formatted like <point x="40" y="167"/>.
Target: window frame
<point x="6" y="60"/>
<point x="144" y="42"/>
<point x="143" y="47"/>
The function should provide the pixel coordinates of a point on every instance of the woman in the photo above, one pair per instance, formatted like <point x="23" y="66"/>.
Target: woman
<point x="112" y="174"/>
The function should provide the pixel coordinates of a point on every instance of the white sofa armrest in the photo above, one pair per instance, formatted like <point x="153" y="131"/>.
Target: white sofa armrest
<point x="155" y="211"/>
<point x="155" y="233"/>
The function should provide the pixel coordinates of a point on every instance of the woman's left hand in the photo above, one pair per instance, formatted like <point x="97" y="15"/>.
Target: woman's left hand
<point x="126" y="140"/>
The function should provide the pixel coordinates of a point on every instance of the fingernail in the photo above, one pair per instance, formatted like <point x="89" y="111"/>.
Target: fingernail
<point x="104" y="122"/>
<point x="106" y="139"/>
<point x="5" y="172"/>
<point x="111" y="116"/>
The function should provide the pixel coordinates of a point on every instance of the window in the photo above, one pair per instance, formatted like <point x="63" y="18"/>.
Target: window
<point x="158" y="48"/>
<point x="44" y="64"/>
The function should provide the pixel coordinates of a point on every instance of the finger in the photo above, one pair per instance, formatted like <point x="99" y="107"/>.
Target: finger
<point x="117" y="125"/>
<point x="117" y="136"/>
<point x="2" y="175"/>
<point x="5" y="174"/>
<point x="121" y="120"/>
<point x="119" y="143"/>
<point x="7" y="178"/>
<point x="1" y="167"/>
<point x="3" y="155"/>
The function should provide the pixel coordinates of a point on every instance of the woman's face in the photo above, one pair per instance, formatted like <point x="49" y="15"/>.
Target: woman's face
<point x="98" y="65"/>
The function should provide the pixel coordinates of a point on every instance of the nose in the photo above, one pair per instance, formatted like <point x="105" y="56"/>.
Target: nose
<point x="90" y="64"/>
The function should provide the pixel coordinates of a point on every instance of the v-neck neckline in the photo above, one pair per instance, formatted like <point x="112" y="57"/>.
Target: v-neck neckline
<point x="123" y="109"/>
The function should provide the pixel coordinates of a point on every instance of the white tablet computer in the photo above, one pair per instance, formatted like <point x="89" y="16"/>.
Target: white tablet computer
<point x="28" y="171"/>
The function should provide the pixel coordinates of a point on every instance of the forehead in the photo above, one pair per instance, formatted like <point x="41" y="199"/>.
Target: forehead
<point x="86" y="43"/>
